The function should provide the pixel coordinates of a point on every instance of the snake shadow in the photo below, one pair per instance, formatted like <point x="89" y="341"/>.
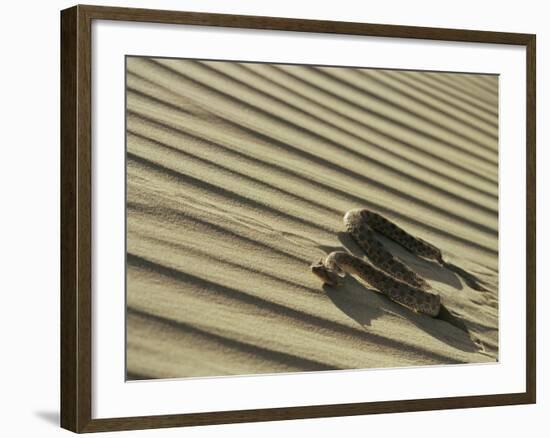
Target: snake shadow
<point x="355" y="300"/>
<point x="471" y="280"/>
<point x="364" y="305"/>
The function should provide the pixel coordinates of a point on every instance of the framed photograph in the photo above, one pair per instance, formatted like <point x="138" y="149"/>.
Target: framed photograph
<point x="271" y="218"/>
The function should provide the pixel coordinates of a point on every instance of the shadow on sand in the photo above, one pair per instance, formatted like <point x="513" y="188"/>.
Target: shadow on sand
<point x="363" y="304"/>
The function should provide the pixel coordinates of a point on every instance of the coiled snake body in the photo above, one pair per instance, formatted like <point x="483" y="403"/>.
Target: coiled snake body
<point x="383" y="271"/>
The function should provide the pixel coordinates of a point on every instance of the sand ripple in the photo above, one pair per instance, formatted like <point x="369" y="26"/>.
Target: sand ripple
<point x="238" y="176"/>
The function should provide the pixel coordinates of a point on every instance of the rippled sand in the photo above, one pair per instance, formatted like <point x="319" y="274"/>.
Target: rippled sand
<point x="238" y="176"/>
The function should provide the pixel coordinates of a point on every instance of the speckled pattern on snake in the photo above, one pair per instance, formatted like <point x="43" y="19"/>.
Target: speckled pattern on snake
<point x="383" y="271"/>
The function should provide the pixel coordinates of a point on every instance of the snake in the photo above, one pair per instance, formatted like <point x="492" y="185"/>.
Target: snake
<point x="382" y="270"/>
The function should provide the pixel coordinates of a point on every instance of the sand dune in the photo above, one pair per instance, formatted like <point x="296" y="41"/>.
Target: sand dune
<point x="238" y="176"/>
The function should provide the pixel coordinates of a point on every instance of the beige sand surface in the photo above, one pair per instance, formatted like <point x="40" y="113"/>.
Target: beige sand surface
<point x="238" y="176"/>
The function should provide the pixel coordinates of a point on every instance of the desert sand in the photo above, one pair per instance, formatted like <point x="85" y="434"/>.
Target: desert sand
<point x="238" y="177"/>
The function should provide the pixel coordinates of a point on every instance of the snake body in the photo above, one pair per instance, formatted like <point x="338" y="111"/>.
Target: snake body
<point x="361" y="225"/>
<point x="384" y="226"/>
<point x="383" y="271"/>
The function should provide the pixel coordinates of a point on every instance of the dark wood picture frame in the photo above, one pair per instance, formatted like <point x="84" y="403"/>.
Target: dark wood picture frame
<point x="76" y="218"/>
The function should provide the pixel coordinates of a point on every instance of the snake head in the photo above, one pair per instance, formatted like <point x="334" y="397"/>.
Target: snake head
<point x="326" y="276"/>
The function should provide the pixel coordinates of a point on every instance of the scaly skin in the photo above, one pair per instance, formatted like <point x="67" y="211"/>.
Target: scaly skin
<point x="361" y="224"/>
<point x="414" y="244"/>
<point x="339" y="262"/>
